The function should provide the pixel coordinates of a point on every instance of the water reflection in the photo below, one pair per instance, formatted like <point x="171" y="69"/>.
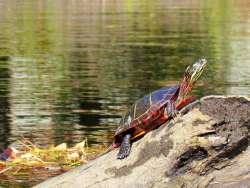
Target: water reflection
<point x="75" y="66"/>
<point x="5" y="125"/>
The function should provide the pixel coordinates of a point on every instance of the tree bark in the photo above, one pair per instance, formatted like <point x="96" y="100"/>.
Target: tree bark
<point x="207" y="146"/>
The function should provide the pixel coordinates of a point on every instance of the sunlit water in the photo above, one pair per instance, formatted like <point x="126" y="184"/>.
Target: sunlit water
<point x="69" y="69"/>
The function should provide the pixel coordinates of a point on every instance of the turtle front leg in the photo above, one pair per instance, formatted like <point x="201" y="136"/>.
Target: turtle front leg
<point x="170" y="110"/>
<point x="125" y="147"/>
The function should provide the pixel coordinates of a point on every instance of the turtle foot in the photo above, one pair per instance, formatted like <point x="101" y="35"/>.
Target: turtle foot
<point x="171" y="111"/>
<point x="125" y="147"/>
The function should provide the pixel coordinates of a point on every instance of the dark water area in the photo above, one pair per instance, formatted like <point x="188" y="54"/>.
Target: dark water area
<point x="70" y="68"/>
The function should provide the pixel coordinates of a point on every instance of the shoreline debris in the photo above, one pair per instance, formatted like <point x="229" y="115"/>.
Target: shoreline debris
<point x="24" y="161"/>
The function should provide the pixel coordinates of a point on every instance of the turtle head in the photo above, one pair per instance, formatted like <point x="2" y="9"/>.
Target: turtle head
<point x="191" y="75"/>
<point x="194" y="71"/>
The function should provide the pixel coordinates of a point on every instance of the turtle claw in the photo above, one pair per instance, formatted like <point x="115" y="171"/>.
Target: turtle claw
<point x="174" y="115"/>
<point x="123" y="155"/>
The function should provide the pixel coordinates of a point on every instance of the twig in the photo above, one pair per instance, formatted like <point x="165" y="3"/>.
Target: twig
<point x="4" y="170"/>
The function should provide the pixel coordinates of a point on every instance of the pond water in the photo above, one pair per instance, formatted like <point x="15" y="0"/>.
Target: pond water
<point x="70" y="68"/>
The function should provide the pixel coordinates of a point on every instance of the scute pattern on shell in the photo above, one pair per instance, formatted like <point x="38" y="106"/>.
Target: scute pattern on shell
<point x="141" y="106"/>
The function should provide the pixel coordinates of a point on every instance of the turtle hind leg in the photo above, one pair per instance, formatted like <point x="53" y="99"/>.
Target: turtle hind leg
<point x="125" y="147"/>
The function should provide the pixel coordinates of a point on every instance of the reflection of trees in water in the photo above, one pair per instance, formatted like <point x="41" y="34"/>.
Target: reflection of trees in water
<point x="5" y="106"/>
<point x="117" y="54"/>
<point x="5" y="122"/>
<point x="238" y="71"/>
<point x="100" y="56"/>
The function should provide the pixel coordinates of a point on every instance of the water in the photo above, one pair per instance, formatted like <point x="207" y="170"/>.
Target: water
<point x="70" y="68"/>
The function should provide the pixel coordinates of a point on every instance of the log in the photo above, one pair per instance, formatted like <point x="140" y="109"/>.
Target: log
<point x="206" y="146"/>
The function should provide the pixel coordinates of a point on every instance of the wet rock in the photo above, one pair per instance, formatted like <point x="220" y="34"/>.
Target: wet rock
<point x="205" y="147"/>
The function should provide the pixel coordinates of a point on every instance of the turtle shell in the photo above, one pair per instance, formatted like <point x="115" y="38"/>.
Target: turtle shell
<point x="144" y="113"/>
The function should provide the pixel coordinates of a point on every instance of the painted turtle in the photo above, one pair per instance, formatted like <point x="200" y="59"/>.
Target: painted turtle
<point x="155" y="109"/>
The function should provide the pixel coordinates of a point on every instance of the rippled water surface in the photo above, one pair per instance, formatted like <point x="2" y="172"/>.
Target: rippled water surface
<point x="70" y="68"/>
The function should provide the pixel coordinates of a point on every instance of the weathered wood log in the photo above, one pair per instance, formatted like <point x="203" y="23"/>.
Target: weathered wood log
<point x="207" y="146"/>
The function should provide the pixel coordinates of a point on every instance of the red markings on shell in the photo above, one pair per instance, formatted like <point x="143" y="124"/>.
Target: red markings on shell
<point x="144" y="120"/>
<point x="154" y="113"/>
